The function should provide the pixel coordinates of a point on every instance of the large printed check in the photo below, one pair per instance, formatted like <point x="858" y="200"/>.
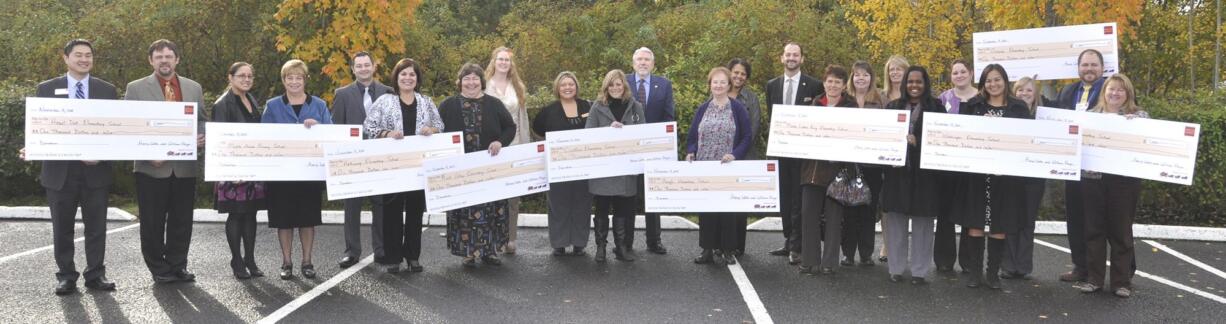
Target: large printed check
<point x="1143" y="148"/>
<point x="382" y="166"/>
<point x="839" y="134"/>
<point x="75" y="129"/>
<point x="711" y="186"/>
<point x="270" y="152"/>
<point x="475" y="178"/>
<point x="605" y="152"/>
<point x="1051" y="53"/>
<point x="1004" y="146"/>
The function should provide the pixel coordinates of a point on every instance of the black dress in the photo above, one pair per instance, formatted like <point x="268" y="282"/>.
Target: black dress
<point x="997" y="203"/>
<point x="235" y="197"/>
<point x="295" y="204"/>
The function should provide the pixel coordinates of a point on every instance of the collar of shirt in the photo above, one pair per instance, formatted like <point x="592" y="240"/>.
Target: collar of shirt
<point x="173" y="81"/>
<point x="72" y="85"/>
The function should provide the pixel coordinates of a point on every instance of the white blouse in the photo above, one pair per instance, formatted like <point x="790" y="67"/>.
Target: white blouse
<point x="519" y="115"/>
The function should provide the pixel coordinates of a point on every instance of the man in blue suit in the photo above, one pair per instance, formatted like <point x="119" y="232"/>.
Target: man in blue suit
<point x="656" y="94"/>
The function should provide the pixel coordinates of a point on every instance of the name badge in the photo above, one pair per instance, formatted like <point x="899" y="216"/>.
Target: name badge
<point x="61" y="92"/>
<point x="1082" y="106"/>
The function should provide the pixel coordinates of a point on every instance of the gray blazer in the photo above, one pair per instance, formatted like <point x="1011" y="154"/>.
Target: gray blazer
<point x="148" y="89"/>
<point x="55" y="173"/>
<point x="347" y="106"/>
<point x="601" y="116"/>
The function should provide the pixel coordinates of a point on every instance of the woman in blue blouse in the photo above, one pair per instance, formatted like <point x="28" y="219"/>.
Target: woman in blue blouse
<point x="720" y="132"/>
<point x="295" y="204"/>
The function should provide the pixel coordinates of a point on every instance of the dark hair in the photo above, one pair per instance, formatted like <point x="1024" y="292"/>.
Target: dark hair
<point x="741" y="62"/>
<point x="837" y="71"/>
<point x="163" y="44"/>
<point x="354" y="59"/>
<point x="470" y="68"/>
<point x="237" y="65"/>
<point x="983" y="80"/>
<point x="927" y="94"/>
<point x="789" y="43"/>
<point x="960" y="61"/>
<point x="1096" y="53"/>
<point x="74" y="43"/>
<point x="405" y="63"/>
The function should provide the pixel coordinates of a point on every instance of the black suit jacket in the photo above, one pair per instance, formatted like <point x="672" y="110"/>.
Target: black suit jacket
<point x="347" y="106"/>
<point x="807" y="92"/>
<point x="1068" y="97"/>
<point x="55" y="173"/>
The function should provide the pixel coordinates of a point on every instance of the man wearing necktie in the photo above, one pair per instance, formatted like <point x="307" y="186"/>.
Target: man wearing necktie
<point x="349" y="106"/>
<point x="791" y="88"/>
<point x="72" y="184"/>
<point x="1079" y="96"/>
<point x="655" y="93"/>
<point x="166" y="190"/>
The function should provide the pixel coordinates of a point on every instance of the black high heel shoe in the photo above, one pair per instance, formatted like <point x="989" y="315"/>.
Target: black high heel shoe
<point x="308" y="271"/>
<point x="287" y="271"/>
<point x="240" y="270"/>
<point x="253" y="269"/>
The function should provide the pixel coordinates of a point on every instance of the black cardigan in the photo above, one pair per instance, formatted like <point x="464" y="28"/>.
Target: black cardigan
<point x="1008" y="192"/>
<point x="229" y="109"/>
<point x="553" y="118"/>
<point x="496" y="122"/>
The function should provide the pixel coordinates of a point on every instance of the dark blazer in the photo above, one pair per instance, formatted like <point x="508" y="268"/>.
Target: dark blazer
<point x="820" y="172"/>
<point x="553" y="117"/>
<point x="347" y="106"/>
<point x="807" y="92"/>
<point x="229" y="109"/>
<point x="742" y="141"/>
<point x="54" y="173"/>
<point x="496" y="122"/>
<point x="908" y="189"/>
<point x="1071" y="93"/>
<point x="1008" y="192"/>
<point x="660" y="106"/>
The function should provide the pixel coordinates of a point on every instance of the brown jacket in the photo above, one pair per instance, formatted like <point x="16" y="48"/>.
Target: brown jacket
<point x="820" y="172"/>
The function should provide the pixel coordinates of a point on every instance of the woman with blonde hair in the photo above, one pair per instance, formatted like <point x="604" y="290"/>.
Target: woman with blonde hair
<point x="895" y="70"/>
<point x="570" y="203"/>
<point x="503" y="83"/>
<point x="614" y="107"/>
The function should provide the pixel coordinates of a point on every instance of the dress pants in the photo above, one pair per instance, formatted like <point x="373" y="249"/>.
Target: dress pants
<point x="859" y="234"/>
<point x="950" y="246"/>
<point x="1110" y="207"/>
<point x="790" y="202"/>
<point x="917" y="256"/>
<point x="165" y="208"/>
<point x="822" y="228"/>
<point x="1019" y="246"/>
<point x="1075" y="225"/>
<point x="401" y="214"/>
<point x="717" y="231"/>
<point x="63" y="204"/>
<point x="651" y="223"/>
<point x="353" y="226"/>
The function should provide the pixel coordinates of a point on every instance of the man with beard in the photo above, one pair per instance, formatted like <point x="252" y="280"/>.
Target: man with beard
<point x="791" y="88"/>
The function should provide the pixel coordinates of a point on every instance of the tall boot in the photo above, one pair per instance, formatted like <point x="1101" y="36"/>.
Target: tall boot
<point x="974" y="254"/>
<point x="619" y="241"/>
<point x="996" y="254"/>
<point x="602" y="235"/>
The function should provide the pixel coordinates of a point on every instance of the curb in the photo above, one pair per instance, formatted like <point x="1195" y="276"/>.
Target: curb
<point x="27" y="212"/>
<point x="1139" y="231"/>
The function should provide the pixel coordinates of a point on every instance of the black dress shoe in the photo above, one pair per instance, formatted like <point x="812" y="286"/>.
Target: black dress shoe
<point x="254" y="270"/>
<point x="705" y="257"/>
<point x="392" y="268"/>
<point x="793" y="258"/>
<point x="827" y="271"/>
<point x="579" y="251"/>
<point x="308" y="271"/>
<point x="729" y="258"/>
<point x="347" y="262"/>
<point x="738" y="252"/>
<point x="287" y="271"/>
<point x="657" y="248"/>
<point x="241" y="273"/>
<point x="559" y="251"/>
<point x="491" y="260"/>
<point x="414" y="266"/>
<point x="806" y="270"/>
<point x="918" y="281"/>
<point x="183" y="275"/>
<point x="883" y="259"/>
<point x="867" y="263"/>
<point x="895" y="278"/>
<point x="847" y="262"/>
<point x="165" y="278"/>
<point x="783" y="251"/>
<point x="100" y="283"/>
<point x="65" y="287"/>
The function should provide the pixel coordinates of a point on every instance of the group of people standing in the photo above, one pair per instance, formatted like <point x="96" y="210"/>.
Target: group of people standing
<point x="996" y="213"/>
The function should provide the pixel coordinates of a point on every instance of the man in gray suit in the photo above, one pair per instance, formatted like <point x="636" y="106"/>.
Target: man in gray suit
<point x="349" y="106"/>
<point x="70" y="184"/>
<point x="166" y="190"/>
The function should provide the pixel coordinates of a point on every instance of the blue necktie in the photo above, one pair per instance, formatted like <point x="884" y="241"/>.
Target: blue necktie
<point x="80" y="90"/>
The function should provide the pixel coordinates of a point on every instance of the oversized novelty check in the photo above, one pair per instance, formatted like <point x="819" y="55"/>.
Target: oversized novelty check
<point x="605" y="152"/>
<point x="76" y="129"/>
<point x="382" y="166"/>
<point x="1004" y="146"/>
<point x="270" y="152"/>
<point x="1051" y="53"/>
<point x="475" y="178"/>
<point x="711" y="186"/>
<point x="1144" y="148"/>
<point x="839" y="134"/>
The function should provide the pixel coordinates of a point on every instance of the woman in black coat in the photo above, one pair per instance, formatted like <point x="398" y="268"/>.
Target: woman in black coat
<point x="240" y="200"/>
<point x="911" y="196"/>
<point x="990" y="203"/>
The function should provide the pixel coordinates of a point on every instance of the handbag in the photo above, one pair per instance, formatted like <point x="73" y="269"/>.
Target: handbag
<point x="849" y="191"/>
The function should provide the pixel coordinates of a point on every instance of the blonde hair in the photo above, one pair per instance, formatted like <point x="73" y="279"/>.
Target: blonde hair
<point x="512" y="73"/>
<point x="872" y="95"/>
<point x="294" y="66"/>
<point x="1130" y="103"/>
<point x="1027" y="81"/>
<point x="887" y="85"/>
<point x="613" y="76"/>
<point x="719" y="70"/>
<point x="557" y="83"/>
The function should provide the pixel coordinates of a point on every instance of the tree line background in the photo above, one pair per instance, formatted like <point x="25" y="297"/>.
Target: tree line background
<point x="1167" y="47"/>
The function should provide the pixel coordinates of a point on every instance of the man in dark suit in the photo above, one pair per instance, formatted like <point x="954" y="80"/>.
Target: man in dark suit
<point x="166" y="190"/>
<point x="349" y="106"/>
<point x="791" y="88"/>
<point x="72" y="184"/>
<point x="1079" y="96"/>
<point x="656" y="94"/>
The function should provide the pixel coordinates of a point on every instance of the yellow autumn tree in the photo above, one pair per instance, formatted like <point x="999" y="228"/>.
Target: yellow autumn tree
<point x="1014" y="14"/>
<point x="325" y="33"/>
<point x="929" y="33"/>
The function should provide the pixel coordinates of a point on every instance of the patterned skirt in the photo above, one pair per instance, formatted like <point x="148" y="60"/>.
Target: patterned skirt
<point x="477" y="230"/>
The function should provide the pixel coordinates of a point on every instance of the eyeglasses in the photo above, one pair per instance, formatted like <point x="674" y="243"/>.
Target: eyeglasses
<point x="244" y="76"/>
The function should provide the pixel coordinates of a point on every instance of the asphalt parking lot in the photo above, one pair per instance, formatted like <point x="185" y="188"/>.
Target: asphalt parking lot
<point x="534" y="286"/>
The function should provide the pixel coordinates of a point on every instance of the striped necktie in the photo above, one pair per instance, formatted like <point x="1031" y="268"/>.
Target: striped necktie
<point x="80" y="90"/>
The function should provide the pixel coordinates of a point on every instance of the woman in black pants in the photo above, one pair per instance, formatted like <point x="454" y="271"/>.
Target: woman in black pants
<point x="859" y="232"/>
<point x="388" y="117"/>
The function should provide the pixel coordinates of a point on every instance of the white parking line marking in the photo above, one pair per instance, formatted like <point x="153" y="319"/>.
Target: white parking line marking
<point x="78" y="240"/>
<point x="756" y="308"/>
<point x="319" y="290"/>
<point x="1143" y="274"/>
<point x="1187" y="259"/>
